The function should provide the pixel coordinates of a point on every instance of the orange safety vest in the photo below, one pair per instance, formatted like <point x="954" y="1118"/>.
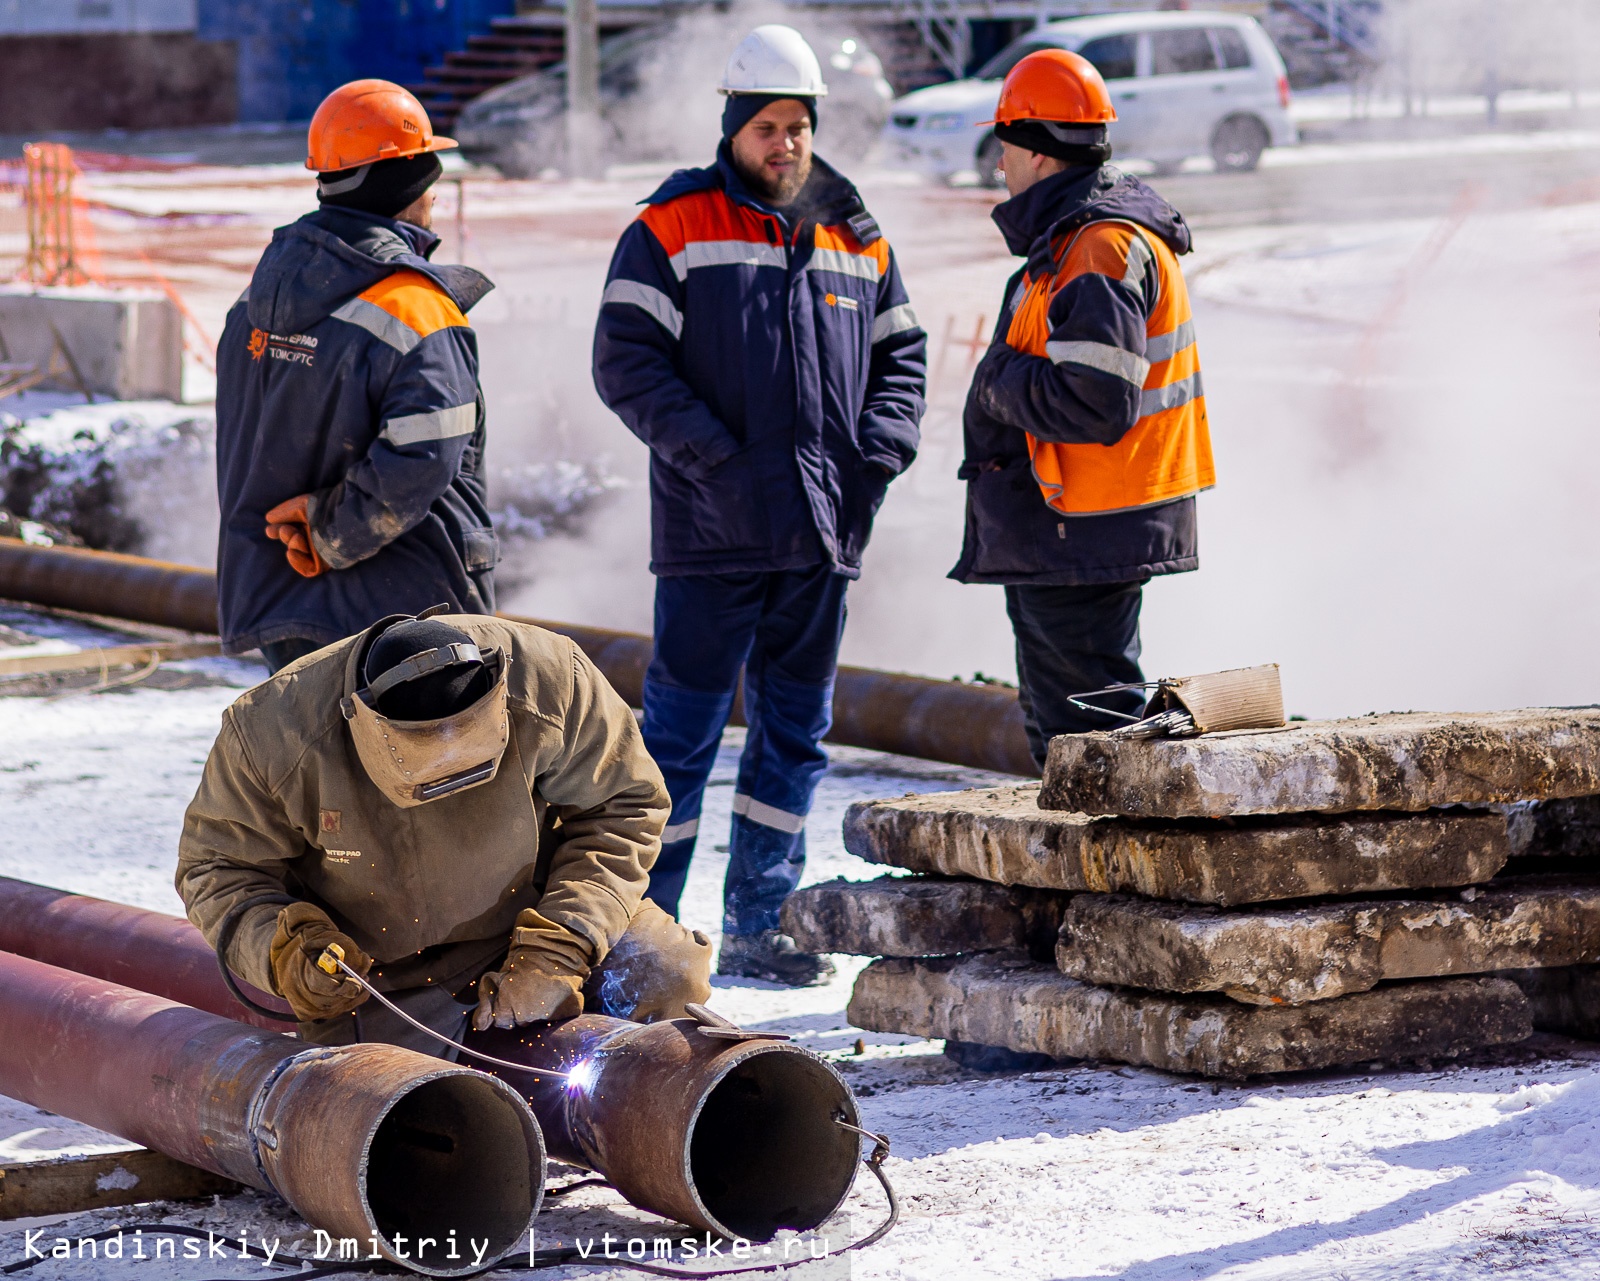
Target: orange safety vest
<point x="1166" y="454"/>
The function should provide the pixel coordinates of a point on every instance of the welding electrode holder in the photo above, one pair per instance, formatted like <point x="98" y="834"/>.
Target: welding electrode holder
<point x="331" y="961"/>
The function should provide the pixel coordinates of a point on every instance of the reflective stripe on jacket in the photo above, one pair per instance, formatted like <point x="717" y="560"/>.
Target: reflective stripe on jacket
<point x="771" y="361"/>
<point x="1012" y="535"/>
<point x="348" y="372"/>
<point x="1166" y="454"/>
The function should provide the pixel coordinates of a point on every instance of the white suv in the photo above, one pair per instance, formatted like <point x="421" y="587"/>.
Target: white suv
<point x="1184" y="84"/>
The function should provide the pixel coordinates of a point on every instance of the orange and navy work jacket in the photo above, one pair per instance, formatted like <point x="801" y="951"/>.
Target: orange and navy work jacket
<point x="771" y="361"/>
<point x="1086" y="421"/>
<point x="1166" y="453"/>
<point x="348" y="372"/>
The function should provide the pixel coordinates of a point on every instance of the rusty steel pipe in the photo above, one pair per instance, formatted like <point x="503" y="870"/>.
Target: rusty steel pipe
<point x="975" y="725"/>
<point x="367" y="1142"/>
<point x="110" y="584"/>
<point x="123" y="944"/>
<point x="736" y="1137"/>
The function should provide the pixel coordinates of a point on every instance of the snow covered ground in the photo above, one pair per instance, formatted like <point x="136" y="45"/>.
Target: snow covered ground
<point x="1483" y="1169"/>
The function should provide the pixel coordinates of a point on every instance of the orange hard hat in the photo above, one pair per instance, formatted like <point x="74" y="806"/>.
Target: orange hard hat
<point x="369" y="120"/>
<point x="1057" y="85"/>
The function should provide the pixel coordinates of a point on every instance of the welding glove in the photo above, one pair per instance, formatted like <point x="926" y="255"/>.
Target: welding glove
<point x="542" y="977"/>
<point x="290" y="524"/>
<point x="304" y="930"/>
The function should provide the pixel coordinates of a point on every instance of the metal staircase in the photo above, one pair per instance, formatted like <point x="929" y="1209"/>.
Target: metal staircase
<point x="944" y="28"/>
<point x="512" y="47"/>
<point x="1326" y="40"/>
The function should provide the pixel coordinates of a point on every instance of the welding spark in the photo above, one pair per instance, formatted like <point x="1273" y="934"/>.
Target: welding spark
<point x="581" y="1076"/>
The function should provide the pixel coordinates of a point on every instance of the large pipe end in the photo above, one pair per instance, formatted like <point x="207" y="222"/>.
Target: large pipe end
<point x="765" y="1152"/>
<point x="439" y="1167"/>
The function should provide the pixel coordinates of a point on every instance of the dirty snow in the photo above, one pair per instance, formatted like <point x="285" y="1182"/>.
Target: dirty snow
<point x="1091" y="1171"/>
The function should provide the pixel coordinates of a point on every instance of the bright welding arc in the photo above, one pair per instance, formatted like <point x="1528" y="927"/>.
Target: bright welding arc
<point x="332" y="962"/>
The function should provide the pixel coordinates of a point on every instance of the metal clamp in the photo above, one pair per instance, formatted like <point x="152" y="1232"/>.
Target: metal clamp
<point x="709" y="1023"/>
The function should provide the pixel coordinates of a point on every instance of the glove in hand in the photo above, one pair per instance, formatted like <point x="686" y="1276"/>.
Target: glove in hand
<point x="290" y="523"/>
<point x="304" y="931"/>
<point x="542" y="978"/>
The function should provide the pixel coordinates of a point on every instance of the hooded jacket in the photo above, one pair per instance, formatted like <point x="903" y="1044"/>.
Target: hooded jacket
<point x="771" y="361"/>
<point x="570" y="824"/>
<point x="1012" y="536"/>
<point x="348" y="371"/>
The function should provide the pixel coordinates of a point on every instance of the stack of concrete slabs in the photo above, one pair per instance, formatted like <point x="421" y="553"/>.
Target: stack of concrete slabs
<point x="1397" y="887"/>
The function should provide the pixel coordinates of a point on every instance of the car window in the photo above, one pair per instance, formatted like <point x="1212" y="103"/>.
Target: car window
<point x="1231" y="46"/>
<point x="997" y="66"/>
<point x="1178" y="53"/>
<point x="1113" y="56"/>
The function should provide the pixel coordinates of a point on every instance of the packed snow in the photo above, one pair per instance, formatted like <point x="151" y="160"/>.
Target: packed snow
<point x="1488" y="1167"/>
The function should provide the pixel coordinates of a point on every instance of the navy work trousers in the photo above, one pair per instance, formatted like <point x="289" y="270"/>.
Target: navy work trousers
<point x="1071" y="640"/>
<point x="783" y="627"/>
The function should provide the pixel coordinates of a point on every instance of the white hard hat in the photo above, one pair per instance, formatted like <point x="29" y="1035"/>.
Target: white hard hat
<point x="774" y="59"/>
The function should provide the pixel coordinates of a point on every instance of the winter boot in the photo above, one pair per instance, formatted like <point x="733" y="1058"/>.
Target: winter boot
<point x="774" y="956"/>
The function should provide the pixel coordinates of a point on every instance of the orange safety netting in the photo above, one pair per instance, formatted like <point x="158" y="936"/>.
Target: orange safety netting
<point x="61" y="244"/>
<point x="53" y="227"/>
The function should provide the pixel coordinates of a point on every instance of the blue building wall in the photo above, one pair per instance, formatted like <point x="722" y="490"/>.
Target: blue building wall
<point x="292" y="53"/>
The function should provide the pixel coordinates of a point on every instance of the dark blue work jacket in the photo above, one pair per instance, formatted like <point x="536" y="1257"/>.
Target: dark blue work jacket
<point x="773" y="364"/>
<point x="348" y="371"/>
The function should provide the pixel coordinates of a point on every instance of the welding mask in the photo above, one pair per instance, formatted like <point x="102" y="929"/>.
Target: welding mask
<point x="415" y="761"/>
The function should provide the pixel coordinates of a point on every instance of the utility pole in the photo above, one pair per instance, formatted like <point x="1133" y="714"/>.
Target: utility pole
<point x="584" y="158"/>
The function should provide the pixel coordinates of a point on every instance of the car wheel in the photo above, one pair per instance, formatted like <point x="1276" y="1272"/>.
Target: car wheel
<point x="988" y="163"/>
<point x="1237" y="144"/>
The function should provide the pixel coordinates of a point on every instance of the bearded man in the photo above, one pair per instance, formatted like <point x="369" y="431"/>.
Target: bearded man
<point x="754" y="334"/>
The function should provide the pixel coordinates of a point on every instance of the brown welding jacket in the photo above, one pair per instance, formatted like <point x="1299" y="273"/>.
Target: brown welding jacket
<point x="570" y="825"/>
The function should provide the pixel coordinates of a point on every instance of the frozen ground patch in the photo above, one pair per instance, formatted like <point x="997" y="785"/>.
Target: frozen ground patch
<point x="1488" y="1169"/>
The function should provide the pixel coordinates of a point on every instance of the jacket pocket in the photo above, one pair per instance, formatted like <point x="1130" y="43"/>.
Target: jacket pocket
<point x="480" y="549"/>
<point x="864" y="489"/>
<point x="699" y="517"/>
<point x="1009" y="519"/>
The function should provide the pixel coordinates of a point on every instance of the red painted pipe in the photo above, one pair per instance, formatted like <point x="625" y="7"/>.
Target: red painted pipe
<point x="645" y="1095"/>
<point x="126" y="945"/>
<point x="368" y="1142"/>
<point x="976" y="725"/>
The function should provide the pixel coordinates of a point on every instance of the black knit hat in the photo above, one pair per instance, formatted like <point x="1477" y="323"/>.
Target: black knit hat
<point x="741" y="108"/>
<point x="1076" y="144"/>
<point x="435" y="694"/>
<point x="385" y="187"/>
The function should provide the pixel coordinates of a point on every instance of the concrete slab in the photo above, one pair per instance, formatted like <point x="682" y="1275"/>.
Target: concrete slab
<point x="1007" y="1000"/>
<point x="923" y="916"/>
<point x="1405" y="761"/>
<point x="1000" y="834"/>
<point x="1276" y="956"/>
<point x="127" y="343"/>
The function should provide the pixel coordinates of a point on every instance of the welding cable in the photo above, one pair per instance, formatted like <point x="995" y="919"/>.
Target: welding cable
<point x="558" y="1257"/>
<point x="332" y="962"/>
<point x="563" y="1255"/>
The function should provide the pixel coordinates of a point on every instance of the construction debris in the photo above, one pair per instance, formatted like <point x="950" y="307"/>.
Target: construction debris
<point x="1000" y="834"/>
<point x="1405" y="761"/>
<point x="1009" y="1000"/>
